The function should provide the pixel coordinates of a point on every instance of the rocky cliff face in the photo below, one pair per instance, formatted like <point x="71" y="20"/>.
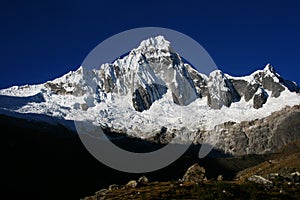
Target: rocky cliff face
<point x="220" y="91"/>
<point x="259" y="136"/>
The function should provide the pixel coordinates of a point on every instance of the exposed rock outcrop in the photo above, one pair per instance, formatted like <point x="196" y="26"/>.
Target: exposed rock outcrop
<point x="143" y="98"/>
<point x="260" y="98"/>
<point x="258" y="136"/>
<point x="200" y="81"/>
<point x="261" y="180"/>
<point x="219" y="92"/>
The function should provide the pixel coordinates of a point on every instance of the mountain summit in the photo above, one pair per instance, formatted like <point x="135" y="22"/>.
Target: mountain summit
<point x="147" y="73"/>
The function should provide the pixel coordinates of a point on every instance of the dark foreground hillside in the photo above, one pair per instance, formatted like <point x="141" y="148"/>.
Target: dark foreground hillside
<point x="211" y="190"/>
<point x="277" y="178"/>
<point x="41" y="161"/>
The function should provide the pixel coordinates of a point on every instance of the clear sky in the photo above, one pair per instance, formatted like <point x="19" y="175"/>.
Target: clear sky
<point x="42" y="40"/>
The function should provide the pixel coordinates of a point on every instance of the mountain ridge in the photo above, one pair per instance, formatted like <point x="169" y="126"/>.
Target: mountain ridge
<point x="152" y="88"/>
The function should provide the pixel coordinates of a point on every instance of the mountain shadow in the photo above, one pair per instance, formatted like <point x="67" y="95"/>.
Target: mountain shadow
<point x="44" y="161"/>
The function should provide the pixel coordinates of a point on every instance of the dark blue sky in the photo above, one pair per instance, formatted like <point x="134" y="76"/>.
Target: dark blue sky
<point x="41" y="40"/>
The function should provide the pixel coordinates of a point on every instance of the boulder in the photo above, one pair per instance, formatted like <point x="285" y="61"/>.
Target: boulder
<point x="295" y="177"/>
<point x="131" y="184"/>
<point x="113" y="187"/>
<point x="220" y="178"/>
<point x="101" y="194"/>
<point x="273" y="176"/>
<point x="143" y="180"/>
<point x="89" y="198"/>
<point x="195" y="173"/>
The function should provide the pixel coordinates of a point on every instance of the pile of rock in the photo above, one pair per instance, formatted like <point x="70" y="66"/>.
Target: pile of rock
<point x="293" y="177"/>
<point x="101" y="194"/>
<point x="261" y="180"/>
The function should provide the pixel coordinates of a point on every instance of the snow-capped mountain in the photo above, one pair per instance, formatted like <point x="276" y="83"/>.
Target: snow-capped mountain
<point x="149" y="89"/>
